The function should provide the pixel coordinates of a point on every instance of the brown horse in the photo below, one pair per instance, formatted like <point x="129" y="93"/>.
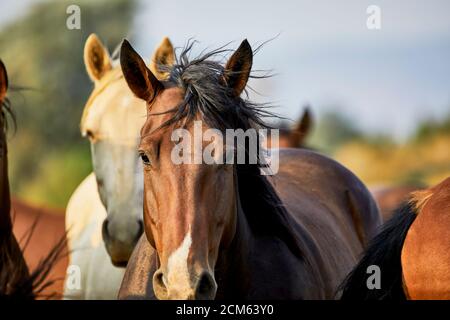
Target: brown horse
<point x="412" y="251"/>
<point x="224" y="230"/>
<point x="296" y="136"/>
<point x="15" y="280"/>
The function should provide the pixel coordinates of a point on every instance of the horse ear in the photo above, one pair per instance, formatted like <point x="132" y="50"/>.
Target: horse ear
<point x="302" y="128"/>
<point x="3" y="81"/>
<point x="139" y="78"/>
<point x="238" y="67"/>
<point x="96" y="58"/>
<point x="163" y="56"/>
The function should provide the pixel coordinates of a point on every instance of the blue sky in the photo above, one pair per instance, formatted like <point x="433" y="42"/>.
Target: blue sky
<point x="385" y="80"/>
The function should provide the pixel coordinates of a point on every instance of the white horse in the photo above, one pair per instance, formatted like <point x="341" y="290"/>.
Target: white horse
<point x="108" y="203"/>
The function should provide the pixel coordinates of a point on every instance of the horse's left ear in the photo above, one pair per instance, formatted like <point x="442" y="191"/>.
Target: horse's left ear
<point x="139" y="78"/>
<point x="3" y="81"/>
<point x="163" y="56"/>
<point x="238" y="67"/>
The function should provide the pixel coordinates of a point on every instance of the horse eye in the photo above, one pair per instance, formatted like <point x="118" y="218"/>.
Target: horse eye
<point x="144" y="158"/>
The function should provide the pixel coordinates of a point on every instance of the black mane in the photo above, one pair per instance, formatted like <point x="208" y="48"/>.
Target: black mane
<point x="207" y="93"/>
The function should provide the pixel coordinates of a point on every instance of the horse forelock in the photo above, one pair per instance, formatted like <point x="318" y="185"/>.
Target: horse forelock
<point x="206" y="93"/>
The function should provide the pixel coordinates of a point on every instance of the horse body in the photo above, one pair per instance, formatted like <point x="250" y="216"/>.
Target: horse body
<point x="411" y="251"/>
<point x="314" y="190"/>
<point x="425" y="254"/>
<point x="327" y="221"/>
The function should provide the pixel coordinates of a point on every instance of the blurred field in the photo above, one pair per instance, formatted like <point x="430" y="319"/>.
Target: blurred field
<point x="378" y="160"/>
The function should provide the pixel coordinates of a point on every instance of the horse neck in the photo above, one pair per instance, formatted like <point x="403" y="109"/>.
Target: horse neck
<point x="234" y="269"/>
<point x="257" y="219"/>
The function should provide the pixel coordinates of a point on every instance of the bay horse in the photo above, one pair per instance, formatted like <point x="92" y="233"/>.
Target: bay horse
<point x="412" y="251"/>
<point x="16" y="281"/>
<point x="104" y="214"/>
<point x="218" y="231"/>
<point x="296" y="136"/>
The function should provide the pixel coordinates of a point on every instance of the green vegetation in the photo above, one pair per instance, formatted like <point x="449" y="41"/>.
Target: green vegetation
<point x="378" y="160"/>
<point x="332" y="131"/>
<point x="47" y="156"/>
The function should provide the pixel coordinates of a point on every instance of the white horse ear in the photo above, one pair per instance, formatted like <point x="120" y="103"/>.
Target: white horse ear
<point x="164" y="55"/>
<point x="3" y="81"/>
<point x="96" y="58"/>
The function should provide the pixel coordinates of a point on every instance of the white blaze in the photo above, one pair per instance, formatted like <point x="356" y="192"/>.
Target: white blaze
<point x="177" y="266"/>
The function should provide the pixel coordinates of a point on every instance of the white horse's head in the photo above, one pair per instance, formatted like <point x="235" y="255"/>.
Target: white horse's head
<point x="112" y="120"/>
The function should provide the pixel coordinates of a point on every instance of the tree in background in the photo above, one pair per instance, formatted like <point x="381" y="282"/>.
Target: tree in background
<point x="48" y="158"/>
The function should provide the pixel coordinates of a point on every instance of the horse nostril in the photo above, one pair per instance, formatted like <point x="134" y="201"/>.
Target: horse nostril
<point x="206" y="287"/>
<point x="89" y="134"/>
<point x="105" y="232"/>
<point x="159" y="286"/>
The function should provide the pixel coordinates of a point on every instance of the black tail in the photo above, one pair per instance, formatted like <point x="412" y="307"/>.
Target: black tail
<point x="383" y="251"/>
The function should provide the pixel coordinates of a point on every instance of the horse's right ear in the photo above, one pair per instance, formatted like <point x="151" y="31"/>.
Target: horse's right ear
<point x="3" y="81"/>
<point x="163" y="56"/>
<point x="306" y="122"/>
<point x="96" y="58"/>
<point x="140" y="79"/>
<point x="302" y="128"/>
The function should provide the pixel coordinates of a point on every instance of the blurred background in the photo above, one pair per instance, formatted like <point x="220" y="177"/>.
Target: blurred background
<point x="380" y="99"/>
